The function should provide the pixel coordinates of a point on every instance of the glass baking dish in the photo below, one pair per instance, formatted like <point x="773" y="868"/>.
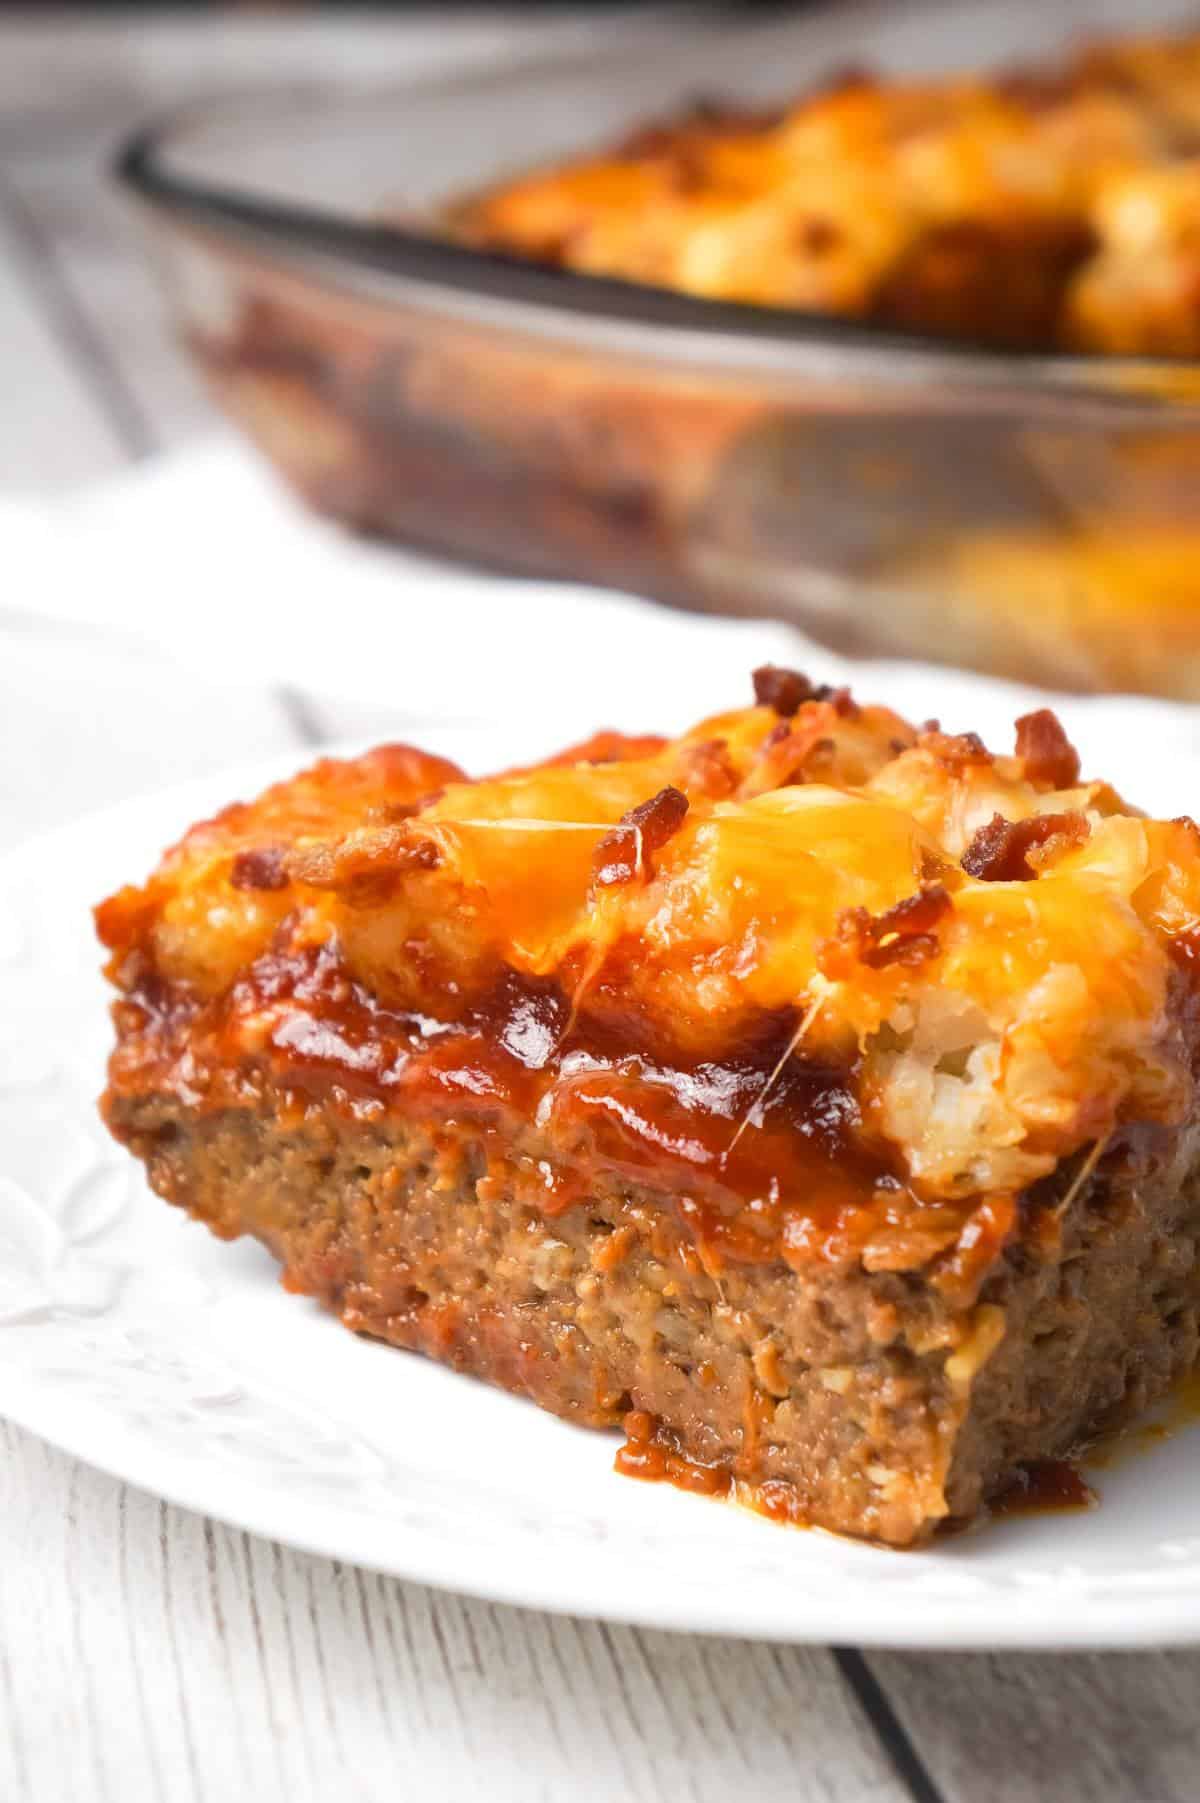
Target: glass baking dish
<point x="1037" y="517"/>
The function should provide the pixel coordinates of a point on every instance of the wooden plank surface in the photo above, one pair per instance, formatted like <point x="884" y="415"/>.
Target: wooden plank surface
<point x="150" y="1655"/>
<point x="50" y="430"/>
<point x="70" y="91"/>
<point x="1019" y="1728"/>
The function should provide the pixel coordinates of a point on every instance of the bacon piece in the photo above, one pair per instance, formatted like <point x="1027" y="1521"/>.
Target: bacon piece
<point x="1184" y="950"/>
<point x="709" y="770"/>
<point x="1012" y="851"/>
<point x="1047" y="753"/>
<point x="262" y="867"/>
<point x="392" y="811"/>
<point x="366" y="867"/>
<point x="785" y="754"/>
<point x="937" y="869"/>
<point x="955" y="751"/>
<point x="625" y="852"/>
<point x="786" y="690"/>
<point x="903" y="934"/>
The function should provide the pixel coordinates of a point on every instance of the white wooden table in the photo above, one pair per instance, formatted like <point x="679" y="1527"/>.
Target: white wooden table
<point x="146" y="1653"/>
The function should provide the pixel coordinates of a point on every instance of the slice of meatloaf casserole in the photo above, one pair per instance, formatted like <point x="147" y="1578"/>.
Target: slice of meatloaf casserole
<point x="812" y="1093"/>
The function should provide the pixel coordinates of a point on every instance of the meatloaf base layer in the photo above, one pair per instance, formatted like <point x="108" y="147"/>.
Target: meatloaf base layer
<point x="824" y="1397"/>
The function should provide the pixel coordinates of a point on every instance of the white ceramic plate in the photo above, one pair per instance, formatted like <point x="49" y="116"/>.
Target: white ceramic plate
<point x="131" y="1338"/>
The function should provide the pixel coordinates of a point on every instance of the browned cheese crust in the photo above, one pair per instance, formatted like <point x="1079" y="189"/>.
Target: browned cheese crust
<point x="1055" y="206"/>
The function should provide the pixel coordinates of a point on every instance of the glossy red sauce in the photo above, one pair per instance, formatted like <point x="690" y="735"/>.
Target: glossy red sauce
<point x="1044" y="1486"/>
<point x="758" y="1162"/>
<point x="650" y="1454"/>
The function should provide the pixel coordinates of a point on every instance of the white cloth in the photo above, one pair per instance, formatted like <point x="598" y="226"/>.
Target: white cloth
<point x="203" y="559"/>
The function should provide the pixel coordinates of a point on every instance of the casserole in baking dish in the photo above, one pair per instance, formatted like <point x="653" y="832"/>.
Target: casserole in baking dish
<point x="1028" y="503"/>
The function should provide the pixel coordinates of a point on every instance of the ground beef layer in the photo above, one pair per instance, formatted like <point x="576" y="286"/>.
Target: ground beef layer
<point x="826" y="1395"/>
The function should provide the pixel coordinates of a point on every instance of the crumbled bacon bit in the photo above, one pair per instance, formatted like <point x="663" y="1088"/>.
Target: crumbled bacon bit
<point x="787" y="690"/>
<point x="784" y="690"/>
<point x="955" y="751"/>
<point x="1184" y="949"/>
<point x="624" y="853"/>
<point x="367" y="867"/>
<point x="903" y="934"/>
<point x="392" y="811"/>
<point x="1047" y="753"/>
<point x="710" y="771"/>
<point x="262" y="867"/>
<point x="422" y="854"/>
<point x="935" y="868"/>
<point x="795" y="751"/>
<point x="1013" y="851"/>
<point x="367" y="884"/>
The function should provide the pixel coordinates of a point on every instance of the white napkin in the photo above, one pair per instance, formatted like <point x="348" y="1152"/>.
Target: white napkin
<point x="203" y="558"/>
